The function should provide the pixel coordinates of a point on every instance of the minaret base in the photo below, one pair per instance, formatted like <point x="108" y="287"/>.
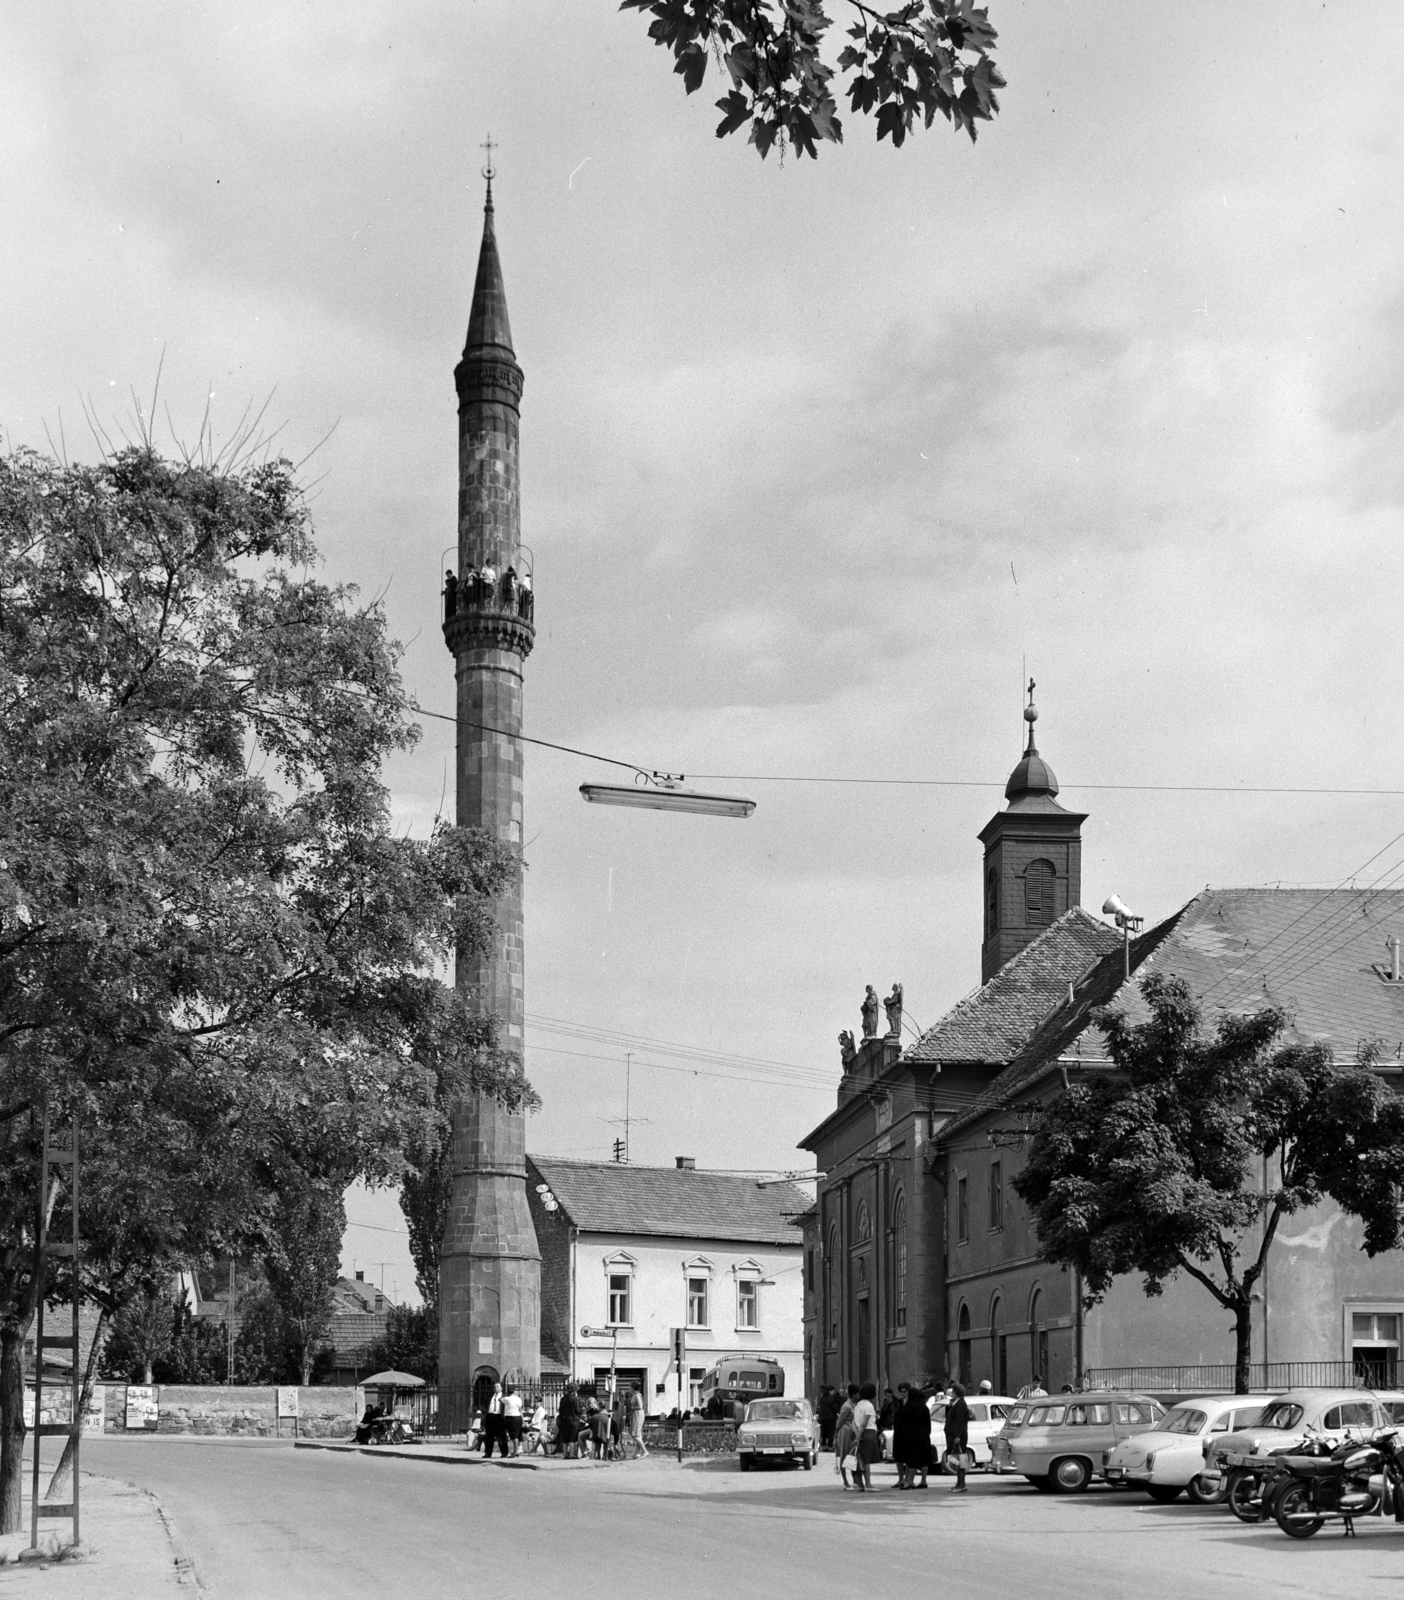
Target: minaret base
<point x="490" y="1266"/>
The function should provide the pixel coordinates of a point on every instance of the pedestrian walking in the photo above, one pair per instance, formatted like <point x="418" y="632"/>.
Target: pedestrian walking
<point x="636" y="1420"/>
<point x="844" y="1435"/>
<point x="827" y="1413"/>
<point x="911" y="1439"/>
<point x="957" y="1437"/>
<point x="512" y="1420"/>
<point x="867" y="1444"/>
<point x="568" y="1424"/>
<point x="494" y="1429"/>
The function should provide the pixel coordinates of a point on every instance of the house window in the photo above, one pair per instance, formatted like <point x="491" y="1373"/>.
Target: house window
<point x="747" y="1303"/>
<point x="962" y="1211"/>
<point x="1374" y="1347"/>
<point x="897" y="1261"/>
<point x="697" y="1312"/>
<point x="620" y="1294"/>
<point x="996" y="1196"/>
<point x="695" y="1376"/>
<point x="1039" y="879"/>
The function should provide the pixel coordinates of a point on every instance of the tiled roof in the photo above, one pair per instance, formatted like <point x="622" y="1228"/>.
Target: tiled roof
<point x="995" y="1021"/>
<point x="1317" y="954"/>
<point x="350" y="1333"/>
<point x="609" y="1197"/>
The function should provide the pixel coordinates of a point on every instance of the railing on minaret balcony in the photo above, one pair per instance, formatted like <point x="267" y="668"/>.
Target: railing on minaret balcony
<point x="487" y="607"/>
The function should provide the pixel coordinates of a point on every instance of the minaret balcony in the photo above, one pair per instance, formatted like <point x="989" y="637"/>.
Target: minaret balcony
<point x="491" y="614"/>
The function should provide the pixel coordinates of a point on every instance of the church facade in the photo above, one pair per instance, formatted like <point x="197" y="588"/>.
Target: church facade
<point x="924" y="1263"/>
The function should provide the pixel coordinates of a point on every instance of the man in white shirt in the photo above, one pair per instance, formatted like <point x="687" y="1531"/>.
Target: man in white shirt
<point x="512" y="1420"/>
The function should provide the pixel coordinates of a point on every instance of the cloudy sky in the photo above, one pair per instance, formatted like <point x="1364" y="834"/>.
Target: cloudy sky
<point x="815" y="458"/>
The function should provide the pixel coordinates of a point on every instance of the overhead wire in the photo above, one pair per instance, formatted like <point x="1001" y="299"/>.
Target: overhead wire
<point x="913" y="783"/>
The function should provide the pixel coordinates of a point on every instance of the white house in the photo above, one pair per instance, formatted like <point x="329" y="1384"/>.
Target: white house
<point x="635" y="1252"/>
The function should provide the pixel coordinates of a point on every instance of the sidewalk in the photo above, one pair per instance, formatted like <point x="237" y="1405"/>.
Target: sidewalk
<point x="131" y="1552"/>
<point x="458" y="1455"/>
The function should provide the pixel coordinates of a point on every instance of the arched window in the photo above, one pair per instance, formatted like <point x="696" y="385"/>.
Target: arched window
<point x="897" y="1261"/>
<point x="1039" y="878"/>
<point x="831" y="1310"/>
<point x="862" y="1224"/>
<point x="991" y="903"/>
<point x="963" y="1345"/>
<point x="1038" y="1339"/>
<point x="999" y="1348"/>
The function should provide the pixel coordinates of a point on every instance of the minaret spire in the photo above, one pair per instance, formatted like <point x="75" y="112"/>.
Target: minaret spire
<point x="490" y="1265"/>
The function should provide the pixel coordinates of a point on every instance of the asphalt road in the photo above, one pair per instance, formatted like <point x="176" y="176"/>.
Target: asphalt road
<point x="265" y="1520"/>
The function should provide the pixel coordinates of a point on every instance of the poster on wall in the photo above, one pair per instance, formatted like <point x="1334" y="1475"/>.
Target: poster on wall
<point x="142" y="1409"/>
<point x="95" y="1412"/>
<point x="287" y="1401"/>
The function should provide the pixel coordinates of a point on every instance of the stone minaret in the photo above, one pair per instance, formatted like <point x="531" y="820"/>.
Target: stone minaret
<point x="490" y="1267"/>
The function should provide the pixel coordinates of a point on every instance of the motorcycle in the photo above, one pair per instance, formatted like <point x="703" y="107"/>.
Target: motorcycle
<point x="1252" y="1482"/>
<point x="1354" y="1480"/>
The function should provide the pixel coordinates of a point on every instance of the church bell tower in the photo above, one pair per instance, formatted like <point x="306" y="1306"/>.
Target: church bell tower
<point x="490" y="1266"/>
<point x="1033" y="858"/>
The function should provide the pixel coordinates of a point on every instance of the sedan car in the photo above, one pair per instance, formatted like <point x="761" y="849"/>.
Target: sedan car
<point x="1332" y="1415"/>
<point x="1063" y="1441"/>
<point x="777" y="1430"/>
<point x="1169" y="1458"/>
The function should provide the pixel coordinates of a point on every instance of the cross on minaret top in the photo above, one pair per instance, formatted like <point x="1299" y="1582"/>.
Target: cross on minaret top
<point x="489" y="171"/>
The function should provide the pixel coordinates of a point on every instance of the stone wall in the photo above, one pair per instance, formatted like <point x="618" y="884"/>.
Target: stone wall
<point x="325" y="1412"/>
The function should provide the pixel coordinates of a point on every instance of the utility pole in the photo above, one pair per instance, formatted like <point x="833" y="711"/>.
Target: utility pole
<point x="229" y="1324"/>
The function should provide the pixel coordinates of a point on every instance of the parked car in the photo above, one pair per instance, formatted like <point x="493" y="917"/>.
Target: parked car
<point x="777" y="1430"/>
<point x="1330" y="1414"/>
<point x="988" y="1414"/>
<point x="1169" y="1458"/>
<point x="1062" y="1442"/>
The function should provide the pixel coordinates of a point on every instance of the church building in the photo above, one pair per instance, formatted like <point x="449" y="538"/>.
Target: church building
<point x="922" y="1261"/>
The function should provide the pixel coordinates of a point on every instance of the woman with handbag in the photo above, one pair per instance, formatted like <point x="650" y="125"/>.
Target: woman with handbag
<point x="868" y="1443"/>
<point x="911" y="1439"/>
<point x="844" y="1435"/>
<point x="957" y="1437"/>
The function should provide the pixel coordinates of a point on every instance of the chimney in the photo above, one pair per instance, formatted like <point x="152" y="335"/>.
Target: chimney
<point x="360" y="1277"/>
<point x="686" y="1163"/>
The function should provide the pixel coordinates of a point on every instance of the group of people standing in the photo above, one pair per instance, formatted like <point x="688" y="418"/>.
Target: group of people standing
<point x="852" y="1426"/>
<point x="502" y="1421"/>
<point x="607" y="1431"/>
<point x="481" y="586"/>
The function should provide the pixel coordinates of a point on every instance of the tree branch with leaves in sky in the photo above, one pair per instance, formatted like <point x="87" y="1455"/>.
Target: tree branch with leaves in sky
<point x="1187" y="1155"/>
<point x="905" y="66"/>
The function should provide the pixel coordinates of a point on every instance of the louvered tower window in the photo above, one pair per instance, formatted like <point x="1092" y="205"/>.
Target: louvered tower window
<point x="1039" y="880"/>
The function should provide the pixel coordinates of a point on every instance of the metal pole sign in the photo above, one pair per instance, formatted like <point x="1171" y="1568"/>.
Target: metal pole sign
<point x="678" y="1338"/>
<point x="44" y="1251"/>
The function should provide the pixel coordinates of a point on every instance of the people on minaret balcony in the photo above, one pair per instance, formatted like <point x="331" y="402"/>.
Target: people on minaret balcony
<point x="482" y="590"/>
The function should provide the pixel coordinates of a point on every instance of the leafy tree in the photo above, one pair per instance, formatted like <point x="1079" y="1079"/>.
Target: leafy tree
<point x="202" y="902"/>
<point x="302" y="1268"/>
<point x="1158" y="1168"/>
<point x="923" y="58"/>
<point x="143" y="1334"/>
<point x="410" y="1343"/>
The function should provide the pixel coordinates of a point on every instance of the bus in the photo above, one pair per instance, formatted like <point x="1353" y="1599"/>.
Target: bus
<point x="737" y="1379"/>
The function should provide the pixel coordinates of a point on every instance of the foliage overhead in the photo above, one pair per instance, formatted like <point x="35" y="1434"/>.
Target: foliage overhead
<point x="1187" y="1156"/>
<point x="923" y="58"/>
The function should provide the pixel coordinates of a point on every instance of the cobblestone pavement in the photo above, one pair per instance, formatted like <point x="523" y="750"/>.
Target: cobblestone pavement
<point x="274" y="1521"/>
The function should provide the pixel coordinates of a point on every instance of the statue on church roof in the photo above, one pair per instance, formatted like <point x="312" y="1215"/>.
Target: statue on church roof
<point x="847" y="1049"/>
<point x="893" y="1007"/>
<point x="870" y="1013"/>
